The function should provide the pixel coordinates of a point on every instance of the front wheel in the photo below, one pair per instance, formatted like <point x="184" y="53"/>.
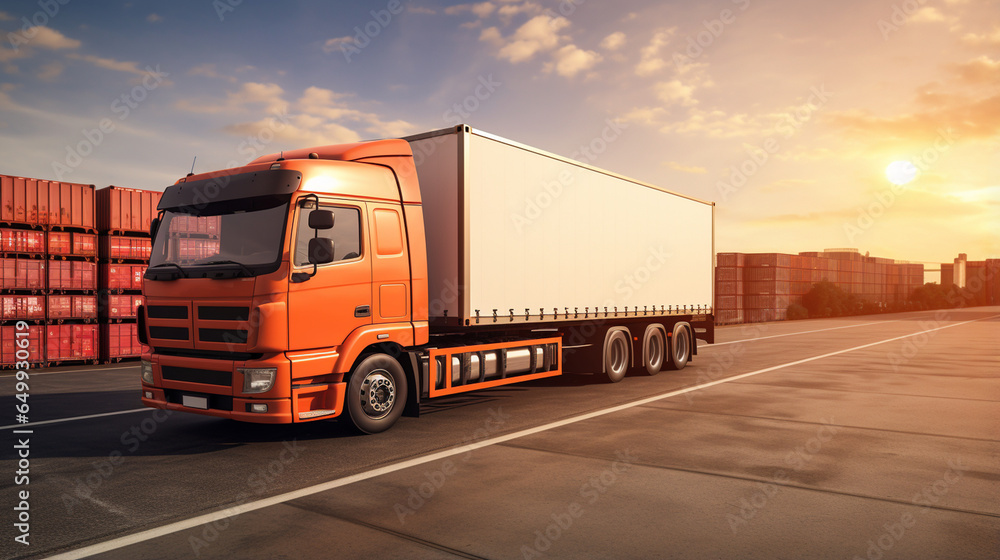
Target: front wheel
<point x="376" y="394"/>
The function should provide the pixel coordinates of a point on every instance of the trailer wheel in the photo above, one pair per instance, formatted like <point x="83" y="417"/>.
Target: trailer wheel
<point x="680" y="346"/>
<point x="616" y="356"/>
<point x="653" y="350"/>
<point x="376" y="394"/>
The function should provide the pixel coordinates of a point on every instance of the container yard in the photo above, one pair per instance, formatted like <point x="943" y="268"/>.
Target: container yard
<point x="759" y="287"/>
<point x="72" y="259"/>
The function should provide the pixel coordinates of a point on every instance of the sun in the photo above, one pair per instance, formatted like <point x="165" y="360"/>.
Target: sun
<point x="900" y="172"/>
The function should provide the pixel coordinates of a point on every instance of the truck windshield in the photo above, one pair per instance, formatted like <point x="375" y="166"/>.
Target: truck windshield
<point x="242" y="236"/>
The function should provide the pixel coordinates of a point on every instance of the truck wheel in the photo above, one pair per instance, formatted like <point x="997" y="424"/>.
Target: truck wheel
<point x="653" y="350"/>
<point x="376" y="394"/>
<point x="680" y="346"/>
<point x="616" y="356"/>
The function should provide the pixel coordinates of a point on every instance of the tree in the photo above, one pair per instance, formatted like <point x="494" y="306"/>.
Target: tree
<point x="826" y="299"/>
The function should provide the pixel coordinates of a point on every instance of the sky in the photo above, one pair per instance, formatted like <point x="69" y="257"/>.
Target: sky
<point x="786" y="113"/>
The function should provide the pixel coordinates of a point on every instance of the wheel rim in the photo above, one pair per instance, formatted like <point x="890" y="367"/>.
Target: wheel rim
<point x="654" y="351"/>
<point x="378" y="394"/>
<point x="681" y="346"/>
<point x="619" y="355"/>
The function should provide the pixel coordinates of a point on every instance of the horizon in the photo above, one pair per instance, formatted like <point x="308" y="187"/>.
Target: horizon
<point x="811" y="125"/>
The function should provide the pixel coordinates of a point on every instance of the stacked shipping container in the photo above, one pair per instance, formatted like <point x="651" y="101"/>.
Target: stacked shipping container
<point x="758" y="287"/>
<point x="49" y="249"/>
<point x="124" y="217"/>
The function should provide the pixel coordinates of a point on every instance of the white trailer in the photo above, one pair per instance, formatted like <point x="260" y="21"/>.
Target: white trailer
<point x="519" y="235"/>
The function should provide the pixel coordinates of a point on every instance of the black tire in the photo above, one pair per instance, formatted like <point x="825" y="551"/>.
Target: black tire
<point x="616" y="356"/>
<point x="654" y="350"/>
<point x="680" y="347"/>
<point x="376" y="394"/>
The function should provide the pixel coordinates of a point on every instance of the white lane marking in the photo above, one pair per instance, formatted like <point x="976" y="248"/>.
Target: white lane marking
<point x="34" y="373"/>
<point x="60" y="420"/>
<point x="806" y="332"/>
<point x="240" y="509"/>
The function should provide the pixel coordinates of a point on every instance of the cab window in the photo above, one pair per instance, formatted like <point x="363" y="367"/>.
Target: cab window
<point x="346" y="234"/>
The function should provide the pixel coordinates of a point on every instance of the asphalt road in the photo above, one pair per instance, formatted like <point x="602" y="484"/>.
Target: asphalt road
<point x="866" y="437"/>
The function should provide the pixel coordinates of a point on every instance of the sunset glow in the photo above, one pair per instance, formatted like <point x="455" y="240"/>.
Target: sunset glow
<point x="785" y="113"/>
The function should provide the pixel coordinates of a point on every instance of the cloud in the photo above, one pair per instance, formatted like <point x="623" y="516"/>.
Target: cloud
<point x="154" y="18"/>
<point x="208" y="70"/>
<point x="482" y="10"/>
<point x="685" y="168"/>
<point x="319" y="116"/>
<point x="110" y="63"/>
<point x="571" y="60"/>
<point x="675" y="92"/>
<point x="539" y="34"/>
<point x="48" y="38"/>
<point x="985" y="39"/>
<point x="614" y="41"/>
<point x="650" y="61"/>
<point x="50" y="71"/>
<point x="4" y="16"/>
<point x="336" y="44"/>
<point x="965" y="117"/>
<point x="980" y="70"/>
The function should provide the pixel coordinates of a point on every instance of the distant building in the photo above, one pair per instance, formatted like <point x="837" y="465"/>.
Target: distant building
<point x="981" y="279"/>
<point x="756" y="287"/>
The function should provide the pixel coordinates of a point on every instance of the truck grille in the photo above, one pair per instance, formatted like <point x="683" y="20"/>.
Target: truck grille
<point x="166" y="312"/>
<point x="225" y="336"/>
<point x="194" y="375"/>
<point x="224" y="313"/>
<point x="169" y="333"/>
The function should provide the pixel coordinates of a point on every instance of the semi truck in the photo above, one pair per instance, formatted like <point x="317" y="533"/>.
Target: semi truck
<point x="362" y="279"/>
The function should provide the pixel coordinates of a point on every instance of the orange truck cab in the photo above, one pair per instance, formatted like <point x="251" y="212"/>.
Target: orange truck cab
<point x="295" y="289"/>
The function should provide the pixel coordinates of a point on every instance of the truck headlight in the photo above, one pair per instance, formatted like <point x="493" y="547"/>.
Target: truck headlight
<point x="146" y="371"/>
<point x="258" y="380"/>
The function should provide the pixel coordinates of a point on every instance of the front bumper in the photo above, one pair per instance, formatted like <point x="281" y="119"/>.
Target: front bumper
<point x="214" y="388"/>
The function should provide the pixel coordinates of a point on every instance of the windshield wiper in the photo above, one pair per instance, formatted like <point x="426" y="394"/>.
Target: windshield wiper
<point x="244" y="268"/>
<point x="175" y="265"/>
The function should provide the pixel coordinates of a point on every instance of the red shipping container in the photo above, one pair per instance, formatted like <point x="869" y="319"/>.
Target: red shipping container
<point x="119" y="341"/>
<point x="71" y="342"/>
<point x="24" y="200"/>
<point x="72" y="307"/>
<point x="124" y="306"/>
<point x="123" y="209"/>
<point x="72" y="275"/>
<point x="22" y="307"/>
<point x="85" y="244"/>
<point x="60" y="243"/>
<point x="125" y="248"/>
<point x="22" y="241"/>
<point x="9" y="347"/>
<point x="23" y="274"/>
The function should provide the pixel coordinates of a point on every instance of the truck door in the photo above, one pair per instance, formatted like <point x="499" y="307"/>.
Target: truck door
<point x="325" y="309"/>
<point x="390" y="266"/>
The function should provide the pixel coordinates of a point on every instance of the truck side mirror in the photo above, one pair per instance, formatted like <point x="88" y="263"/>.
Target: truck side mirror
<point x="321" y="219"/>
<point x="153" y="226"/>
<point x="320" y="250"/>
